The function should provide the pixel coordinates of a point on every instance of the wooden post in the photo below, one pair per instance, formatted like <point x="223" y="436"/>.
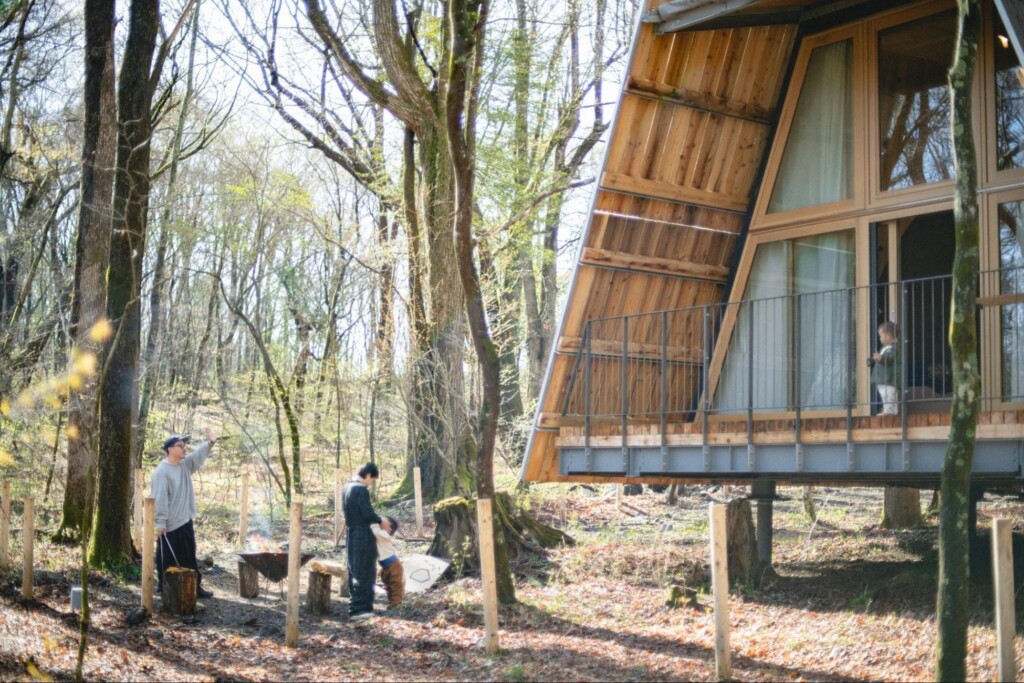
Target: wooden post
<point x="339" y="513"/>
<point x="1002" y="581"/>
<point x="148" y="552"/>
<point x="488" y="575"/>
<point x="720" y="583"/>
<point x="243" y="513"/>
<point x="5" y="524"/>
<point x="418" y="490"/>
<point x="291" y="628"/>
<point x="26" y="574"/>
<point x="137" y="520"/>
<point x="563" y="511"/>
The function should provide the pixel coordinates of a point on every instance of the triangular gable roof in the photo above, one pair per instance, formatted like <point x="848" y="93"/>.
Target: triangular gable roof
<point x="682" y="164"/>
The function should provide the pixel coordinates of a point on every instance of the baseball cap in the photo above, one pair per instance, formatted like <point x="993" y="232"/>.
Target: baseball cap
<point x="184" y="438"/>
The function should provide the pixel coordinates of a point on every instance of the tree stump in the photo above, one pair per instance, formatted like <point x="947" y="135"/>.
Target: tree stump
<point x="901" y="509"/>
<point x="248" y="580"/>
<point x="515" y="532"/>
<point x="745" y="565"/>
<point x="179" y="591"/>
<point x="318" y="594"/>
<point x="332" y="568"/>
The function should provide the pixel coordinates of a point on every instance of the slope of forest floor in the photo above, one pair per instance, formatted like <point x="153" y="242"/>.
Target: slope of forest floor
<point x="852" y="602"/>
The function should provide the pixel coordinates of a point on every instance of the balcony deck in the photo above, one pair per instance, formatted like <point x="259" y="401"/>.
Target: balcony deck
<point x="889" y="449"/>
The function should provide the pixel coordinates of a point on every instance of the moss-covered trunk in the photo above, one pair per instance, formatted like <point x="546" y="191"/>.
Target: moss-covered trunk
<point x="516" y="532"/>
<point x="952" y="607"/>
<point x="111" y="536"/>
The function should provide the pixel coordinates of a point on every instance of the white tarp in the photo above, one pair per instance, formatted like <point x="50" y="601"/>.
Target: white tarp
<point x="422" y="572"/>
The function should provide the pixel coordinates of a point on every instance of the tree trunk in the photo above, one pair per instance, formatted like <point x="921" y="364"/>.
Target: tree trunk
<point x="150" y="374"/>
<point x="952" y="605"/>
<point x="902" y="508"/>
<point x="111" y="538"/>
<point x="94" y="225"/>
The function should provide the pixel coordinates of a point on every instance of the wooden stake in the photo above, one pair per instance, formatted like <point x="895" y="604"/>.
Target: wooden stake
<point x="488" y="574"/>
<point x="563" y="512"/>
<point x="418" y="490"/>
<point x="1002" y="581"/>
<point x="137" y="517"/>
<point x="148" y="551"/>
<point x="291" y="628"/>
<point x="26" y="572"/>
<point x="720" y="583"/>
<point x="243" y="513"/>
<point x="5" y="524"/>
<point x="339" y="513"/>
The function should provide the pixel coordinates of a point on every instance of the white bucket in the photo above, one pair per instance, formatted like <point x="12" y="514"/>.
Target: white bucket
<point x="76" y="598"/>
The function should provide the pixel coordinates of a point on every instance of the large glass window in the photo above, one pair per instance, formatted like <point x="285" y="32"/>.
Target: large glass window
<point x="817" y="165"/>
<point x="913" y="101"/>
<point x="1009" y="77"/>
<point x="793" y="339"/>
<point x="1011" y="281"/>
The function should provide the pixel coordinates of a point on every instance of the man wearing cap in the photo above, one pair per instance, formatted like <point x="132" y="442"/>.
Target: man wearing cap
<point x="176" y="506"/>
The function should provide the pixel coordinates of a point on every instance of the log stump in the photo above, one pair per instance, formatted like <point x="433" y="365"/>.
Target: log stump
<point x="318" y="594"/>
<point x="179" y="591"/>
<point x="332" y="568"/>
<point x="248" y="580"/>
<point x="745" y="565"/>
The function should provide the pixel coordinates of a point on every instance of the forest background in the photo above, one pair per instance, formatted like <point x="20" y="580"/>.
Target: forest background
<point x="252" y="212"/>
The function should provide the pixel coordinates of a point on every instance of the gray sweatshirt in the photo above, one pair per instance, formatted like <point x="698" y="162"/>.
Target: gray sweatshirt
<point x="172" y="489"/>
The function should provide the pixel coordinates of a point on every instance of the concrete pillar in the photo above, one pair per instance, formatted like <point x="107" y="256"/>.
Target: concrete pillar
<point x="763" y="491"/>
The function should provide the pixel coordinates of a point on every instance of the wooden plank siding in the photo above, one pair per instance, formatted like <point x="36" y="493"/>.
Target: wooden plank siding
<point x="691" y="132"/>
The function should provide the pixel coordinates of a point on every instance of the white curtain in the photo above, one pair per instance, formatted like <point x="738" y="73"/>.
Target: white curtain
<point x="809" y="361"/>
<point x="1011" y="261"/>
<point x="761" y="351"/>
<point x="817" y="166"/>
<point x="823" y="276"/>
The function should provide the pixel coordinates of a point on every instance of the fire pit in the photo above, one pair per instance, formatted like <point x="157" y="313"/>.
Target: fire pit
<point x="273" y="566"/>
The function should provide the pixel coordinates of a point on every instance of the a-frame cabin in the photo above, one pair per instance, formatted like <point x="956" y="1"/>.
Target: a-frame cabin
<point x="777" y="184"/>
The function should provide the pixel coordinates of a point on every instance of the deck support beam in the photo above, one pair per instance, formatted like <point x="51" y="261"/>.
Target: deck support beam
<point x="763" y="491"/>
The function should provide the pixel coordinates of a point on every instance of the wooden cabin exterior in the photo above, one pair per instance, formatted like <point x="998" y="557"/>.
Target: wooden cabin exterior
<point x="777" y="184"/>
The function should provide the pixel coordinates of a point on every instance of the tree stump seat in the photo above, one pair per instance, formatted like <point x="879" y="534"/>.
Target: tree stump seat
<point x="318" y="593"/>
<point x="179" y="591"/>
<point x="248" y="580"/>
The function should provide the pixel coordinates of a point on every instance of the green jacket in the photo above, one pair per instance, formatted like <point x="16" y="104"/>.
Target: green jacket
<point x="889" y="368"/>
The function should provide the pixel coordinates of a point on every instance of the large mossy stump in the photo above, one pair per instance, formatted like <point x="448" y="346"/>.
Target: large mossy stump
<point x="178" y="595"/>
<point x="516" y="532"/>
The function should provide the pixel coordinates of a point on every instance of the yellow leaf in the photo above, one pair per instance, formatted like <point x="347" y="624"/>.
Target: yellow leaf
<point x="72" y="431"/>
<point x="75" y="382"/>
<point x="35" y="672"/>
<point x="101" y="331"/>
<point x="5" y="408"/>
<point x="5" y="458"/>
<point x="84" y="363"/>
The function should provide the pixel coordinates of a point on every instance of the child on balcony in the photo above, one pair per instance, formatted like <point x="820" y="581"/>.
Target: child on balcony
<point x="392" y="574"/>
<point x="886" y="368"/>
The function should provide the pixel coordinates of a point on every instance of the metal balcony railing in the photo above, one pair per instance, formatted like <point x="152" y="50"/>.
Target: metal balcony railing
<point x="797" y="354"/>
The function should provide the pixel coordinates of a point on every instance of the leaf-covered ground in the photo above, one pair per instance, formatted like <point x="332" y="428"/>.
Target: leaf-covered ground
<point x="852" y="602"/>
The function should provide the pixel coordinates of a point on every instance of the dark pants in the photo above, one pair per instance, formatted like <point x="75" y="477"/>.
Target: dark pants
<point x="361" y="549"/>
<point x="180" y="544"/>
